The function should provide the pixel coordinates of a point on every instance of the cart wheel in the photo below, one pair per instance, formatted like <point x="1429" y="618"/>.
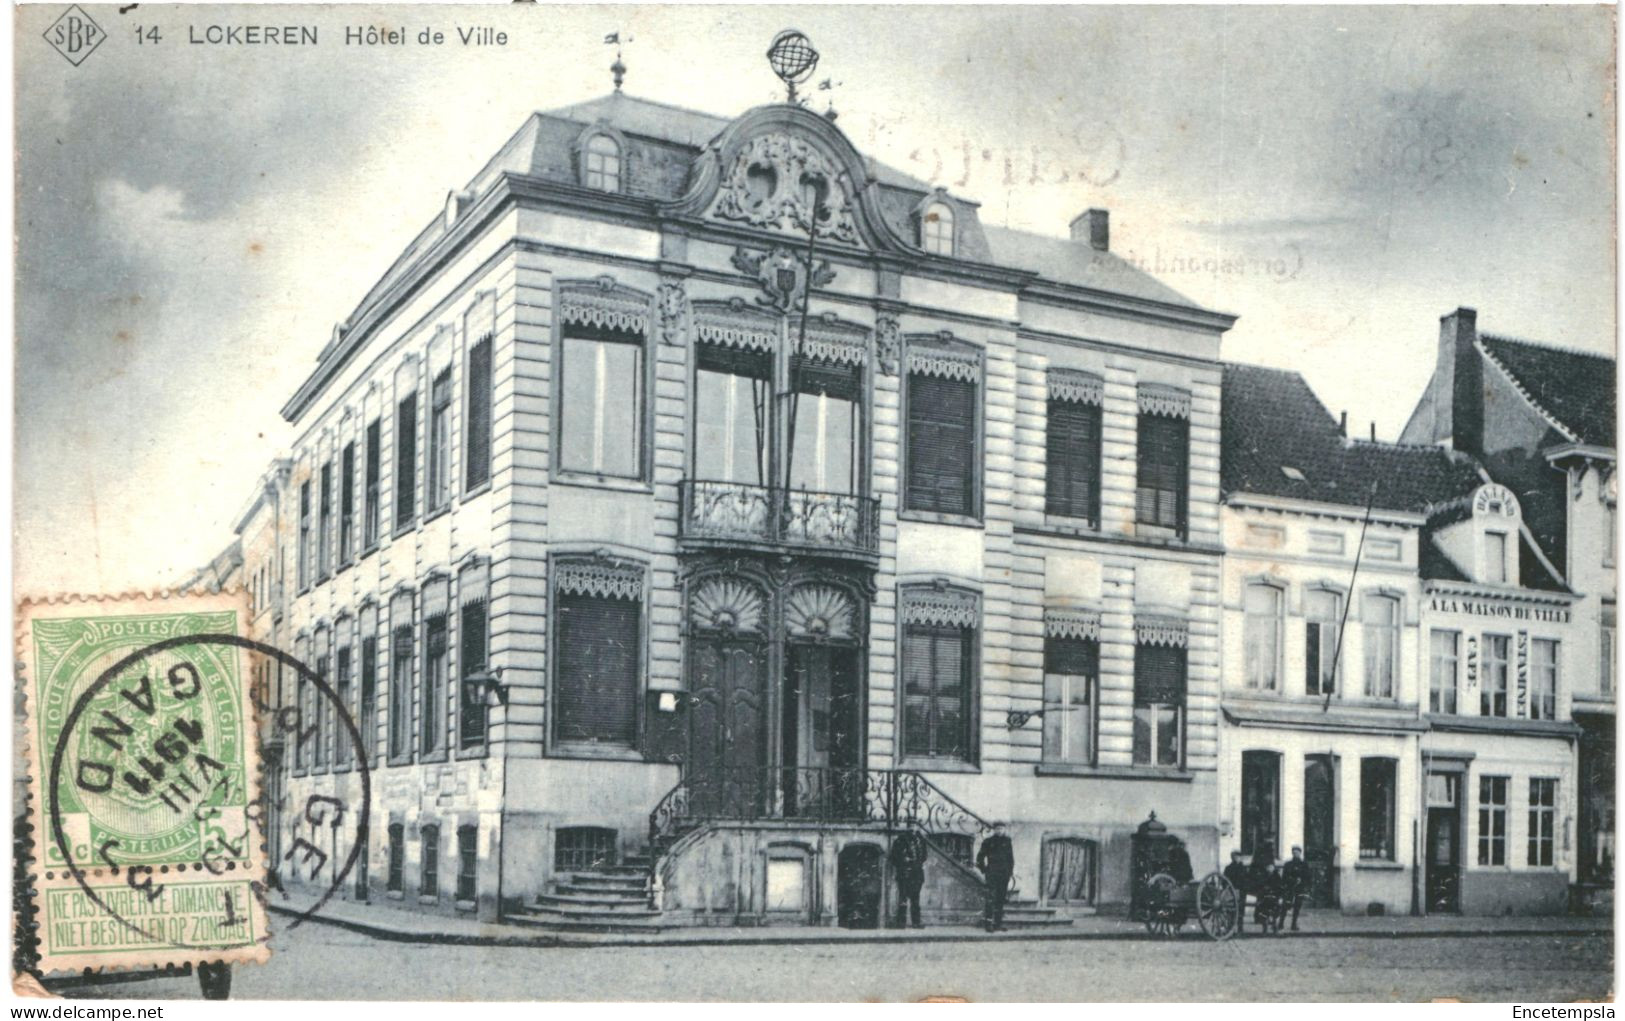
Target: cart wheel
<point x="1159" y="912"/>
<point x="1218" y="907"/>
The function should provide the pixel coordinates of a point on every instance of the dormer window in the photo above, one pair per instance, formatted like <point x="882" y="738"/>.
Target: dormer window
<point x="601" y="164"/>
<point x="1495" y="558"/>
<point x="937" y="229"/>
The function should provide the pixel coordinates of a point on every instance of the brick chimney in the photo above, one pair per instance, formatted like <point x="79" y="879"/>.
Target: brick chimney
<point x="1458" y="335"/>
<point x="1091" y="226"/>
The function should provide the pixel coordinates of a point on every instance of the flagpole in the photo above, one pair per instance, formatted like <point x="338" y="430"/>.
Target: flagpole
<point x="1342" y="625"/>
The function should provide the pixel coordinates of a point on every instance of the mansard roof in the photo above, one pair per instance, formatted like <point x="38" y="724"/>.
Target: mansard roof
<point x="1573" y="388"/>
<point x="1278" y="439"/>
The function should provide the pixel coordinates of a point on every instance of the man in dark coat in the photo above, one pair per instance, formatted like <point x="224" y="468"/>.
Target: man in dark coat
<point x="1236" y="872"/>
<point x="1266" y="886"/>
<point x="997" y="860"/>
<point x="1295" y="877"/>
<point x="908" y="867"/>
<point x="1179" y="863"/>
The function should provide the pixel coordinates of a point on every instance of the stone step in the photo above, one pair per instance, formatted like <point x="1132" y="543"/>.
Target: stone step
<point x="607" y="881"/>
<point x="599" y="889"/>
<point x="553" y="922"/>
<point x="578" y="912"/>
<point x="618" y="905"/>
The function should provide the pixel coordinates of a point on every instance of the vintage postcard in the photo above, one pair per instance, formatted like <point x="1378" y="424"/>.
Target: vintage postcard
<point x="1036" y="503"/>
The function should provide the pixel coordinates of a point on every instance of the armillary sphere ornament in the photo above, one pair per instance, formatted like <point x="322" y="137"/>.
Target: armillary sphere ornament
<point x="793" y="59"/>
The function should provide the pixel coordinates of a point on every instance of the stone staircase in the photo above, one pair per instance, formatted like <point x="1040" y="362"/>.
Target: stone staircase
<point x="602" y="899"/>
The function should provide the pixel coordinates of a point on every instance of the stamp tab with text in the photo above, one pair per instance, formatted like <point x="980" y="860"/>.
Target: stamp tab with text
<point x="143" y="760"/>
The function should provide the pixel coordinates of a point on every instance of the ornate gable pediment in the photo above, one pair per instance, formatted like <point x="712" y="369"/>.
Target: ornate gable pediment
<point x="771" y="182"/>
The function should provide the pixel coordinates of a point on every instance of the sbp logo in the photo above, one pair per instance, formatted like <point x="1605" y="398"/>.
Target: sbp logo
<point x="74" y="35"/>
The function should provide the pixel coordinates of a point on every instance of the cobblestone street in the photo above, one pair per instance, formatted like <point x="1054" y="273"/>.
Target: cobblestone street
<point x="320" y="962"/>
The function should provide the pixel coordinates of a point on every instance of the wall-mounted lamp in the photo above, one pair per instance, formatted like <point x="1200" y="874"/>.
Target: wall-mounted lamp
<point x="487" y="688"/>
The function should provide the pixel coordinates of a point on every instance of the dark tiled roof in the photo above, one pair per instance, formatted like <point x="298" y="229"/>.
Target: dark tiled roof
<point x="1575" y="388"/>
<point x="1272" y="420"/>
<point x="1436" y="565"/>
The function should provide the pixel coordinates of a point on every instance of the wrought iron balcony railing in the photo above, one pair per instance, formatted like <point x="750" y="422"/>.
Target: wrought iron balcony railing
<point x="740" y="512"/>
<point x="896" y="798"/>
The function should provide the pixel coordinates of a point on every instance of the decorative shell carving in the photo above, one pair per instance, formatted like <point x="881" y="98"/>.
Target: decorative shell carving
<point x="820" y="612"/>
<point x="769" y="184"/>
<point x="727" y="604"/>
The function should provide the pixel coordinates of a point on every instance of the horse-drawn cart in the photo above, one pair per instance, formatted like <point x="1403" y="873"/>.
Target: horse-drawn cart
<point x="1211" y="900"/>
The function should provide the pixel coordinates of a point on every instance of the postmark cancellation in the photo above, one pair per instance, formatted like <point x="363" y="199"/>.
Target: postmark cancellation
<point x="142" y="758"/>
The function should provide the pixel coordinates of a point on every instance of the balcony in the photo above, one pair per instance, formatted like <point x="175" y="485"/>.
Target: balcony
<point x="737" y="513"/>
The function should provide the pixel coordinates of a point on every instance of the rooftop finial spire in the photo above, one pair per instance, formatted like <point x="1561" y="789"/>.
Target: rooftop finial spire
<point x="617" y="69"/>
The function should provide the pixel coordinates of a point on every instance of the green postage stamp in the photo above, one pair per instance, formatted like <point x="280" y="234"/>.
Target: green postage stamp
<point x="143" y="760"/>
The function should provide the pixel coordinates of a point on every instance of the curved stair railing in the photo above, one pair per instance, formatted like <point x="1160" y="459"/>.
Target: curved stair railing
<point x="896" y="798"/>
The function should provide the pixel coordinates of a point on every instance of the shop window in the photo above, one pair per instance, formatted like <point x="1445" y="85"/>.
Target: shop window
<point x="1444" y="665"/>
<point x="1070" y="868"/>
<point x="583" y="848"/>
<point x="1260" y="801"/>
<point x="1542" y="821"/>
<point x="1492" y="820"/>
<point x="1378" y="785"/>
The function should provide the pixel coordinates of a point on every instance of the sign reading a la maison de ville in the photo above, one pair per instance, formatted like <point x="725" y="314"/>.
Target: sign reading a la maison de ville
<point x="1506" y="611"/>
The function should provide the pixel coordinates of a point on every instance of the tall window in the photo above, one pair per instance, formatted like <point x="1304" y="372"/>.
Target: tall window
<point x="937" y="711"/>
<point x="942" y="442"/>
<point x="324" y="525"/>
<point x="367" y="717"/>
<point x="343" y="689"/>
<point x="1444" y="662"/>
<point x="440" y="441"/>
<point x="1492" y="820"/>
<point x="825" y="427"/>
<point x="373" y="512"/>
<point x="406" y="460"/>
<point x="473" y="638"/>
<point x="601" y="388"/>
<point x="1378" y="784"/>
<point x="1260" y="801"/>
<point x="1543" y="679"/>
<point x="937" y="229"/>
<point x="429" y="876"/>
<point x="400" y="676"/>
<point x="436" y="666"/>
<point x="320" y="704"/>
<point x="597" y="672"/>
<point x="1380" y="624"/>
<point x="467" y="860"/>
<point x="1261" y="636"/>
<point x="733" y="394"/>
<point x="601" y="164"/>
<point x="1542" y="821"/>
<point x="304" y="535"/>
<point x="1159" y="705"/>
<point x="1162" y="472"/>
<point x="1072" y="450"/>
<point x="397" y="858"/>
<point x="347" y="504"/>
<point x="1071" y="673"/>
<point x="1069" y="870"/>
<point x="477" y="423"/>
<point x="1495" y="558"/>
<point x="1605" y="679"/>
<point x="1492" y="692"/>
<point x="1321" y="611"/>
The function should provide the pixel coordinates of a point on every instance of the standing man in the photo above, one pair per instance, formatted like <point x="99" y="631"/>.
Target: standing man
<point x="908" y="867"/>
<point x="1296" y="878"/>
<point x="997" y="861"/>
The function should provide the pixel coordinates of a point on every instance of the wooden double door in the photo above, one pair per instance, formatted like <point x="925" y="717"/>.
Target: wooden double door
<point x="746" y="760"/>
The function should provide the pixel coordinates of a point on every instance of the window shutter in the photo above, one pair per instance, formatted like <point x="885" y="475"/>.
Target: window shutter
<point x="1072" y="464"/>
<point x="479" y="415"/>
<point x="941" y="444"/>
<point x="1159" y="674"/>
<point x="406" y="459"/>
<point x="1163" y="453"/>
<point x="470" y="661"/>
<point x="597" y="669"/>
<point x="1073" y="656"/>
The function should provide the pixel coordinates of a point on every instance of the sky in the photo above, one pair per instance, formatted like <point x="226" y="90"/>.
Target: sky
<point x="193" y="219"/>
